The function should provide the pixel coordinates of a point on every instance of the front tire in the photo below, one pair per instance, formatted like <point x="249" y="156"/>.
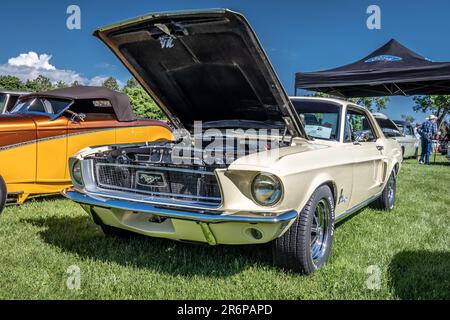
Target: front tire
<point x="386" y="201"/>
<point x="3" y="194"/>
<point x="115" y="232"/>
<point x="306" y="246"/>
<point x="110" y="231"/>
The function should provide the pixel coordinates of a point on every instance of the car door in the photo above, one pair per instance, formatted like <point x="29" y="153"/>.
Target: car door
<point x="17" y="149"/>
<point x="367" y="151"/>
<point x="51" y="138"/>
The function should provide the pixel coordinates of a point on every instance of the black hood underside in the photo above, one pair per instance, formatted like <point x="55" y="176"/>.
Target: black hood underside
<point x="203" y="66"/>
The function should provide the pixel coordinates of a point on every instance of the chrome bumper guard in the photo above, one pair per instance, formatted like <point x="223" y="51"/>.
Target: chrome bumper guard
<point x="174" y="213"/>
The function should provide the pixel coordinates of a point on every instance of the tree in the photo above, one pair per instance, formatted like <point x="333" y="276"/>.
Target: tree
<point x="111" y="83"/>
<point x="75" y="84"/>
<point x="438" y="105"/>
<point x="39" y="84"/>
<point x="132" y="83"/>
<point x="379" y="103"/>
<point x="407" y="118"/>
<point x="11" y="83"/>
<point x="61" y="85"/>
<point x="143" y="105"/>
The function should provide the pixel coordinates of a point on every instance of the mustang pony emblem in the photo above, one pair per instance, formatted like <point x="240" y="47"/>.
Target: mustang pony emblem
<point x="147" y="179"/>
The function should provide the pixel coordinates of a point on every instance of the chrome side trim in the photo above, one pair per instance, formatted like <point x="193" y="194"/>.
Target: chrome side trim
<point x="175" y="213"/>
<point x="62" y="136"/>
<point x="358" y="207"/>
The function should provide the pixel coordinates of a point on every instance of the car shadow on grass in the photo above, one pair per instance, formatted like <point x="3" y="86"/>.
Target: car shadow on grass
<point x="82" y="237"/>
<point x="420" y="275"/>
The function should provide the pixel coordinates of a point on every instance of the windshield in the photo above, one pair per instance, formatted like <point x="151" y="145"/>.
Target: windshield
<point x="2" y="102"/>
<point x="44" y="106"/>
<point x="320" y="118"/>
<point x="389" y="128"/>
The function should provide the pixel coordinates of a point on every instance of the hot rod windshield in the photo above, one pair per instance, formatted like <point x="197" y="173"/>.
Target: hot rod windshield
<point x="320" y="119"/>
<point x="2" y="102"/>
<point x="41" y="106"/>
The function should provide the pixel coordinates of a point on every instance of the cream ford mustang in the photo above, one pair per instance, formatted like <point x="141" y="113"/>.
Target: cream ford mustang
<point x="320" y="159"/>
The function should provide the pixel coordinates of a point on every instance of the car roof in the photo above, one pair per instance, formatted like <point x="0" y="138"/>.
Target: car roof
<point x="380" y="115"/>
<point x="332" y="100"/>
<point x="119" y="100"/>
<point x="14" y="92"/>
<point x="402" y="122"/>
<point x="319" y="99"/>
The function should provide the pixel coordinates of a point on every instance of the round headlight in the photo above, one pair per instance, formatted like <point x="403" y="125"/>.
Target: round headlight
<point x="76" y="173"/>
<point x="266" y="189"/>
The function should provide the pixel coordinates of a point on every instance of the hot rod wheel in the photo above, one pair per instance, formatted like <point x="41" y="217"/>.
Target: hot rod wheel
<point x="306" y="246"/>
<point x="2" y="194"/>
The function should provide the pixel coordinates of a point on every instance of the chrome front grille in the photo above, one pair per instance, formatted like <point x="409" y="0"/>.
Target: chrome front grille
<point x="161" y="182"/>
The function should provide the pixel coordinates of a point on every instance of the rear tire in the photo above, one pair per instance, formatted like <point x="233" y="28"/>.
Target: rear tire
<point x="306" y="246"/>
<point x="386" y="201"/>
<point x="3" y="194"/>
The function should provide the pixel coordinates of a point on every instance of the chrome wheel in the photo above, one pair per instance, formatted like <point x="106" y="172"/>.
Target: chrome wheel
<point x="319" y="229"/>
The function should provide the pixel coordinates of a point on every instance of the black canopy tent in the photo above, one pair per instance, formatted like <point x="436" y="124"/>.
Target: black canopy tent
<point x="390" y="70"/>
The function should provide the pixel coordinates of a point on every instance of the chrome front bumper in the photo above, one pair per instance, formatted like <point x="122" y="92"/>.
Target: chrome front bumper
<point x="196" y="225"/>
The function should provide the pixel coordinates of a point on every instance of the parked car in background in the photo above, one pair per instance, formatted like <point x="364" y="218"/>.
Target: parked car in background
<point x="44" y="129"/>
<point x="209" y="66"/>
<point x="404" y="135"/>
<point x="443" y="145"/>
<point x="8" y="99"/>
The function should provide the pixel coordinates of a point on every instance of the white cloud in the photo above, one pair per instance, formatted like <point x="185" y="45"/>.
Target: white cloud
<point x="28" y="66"/>
<point x="32" y="60"/>
<point x="97" y="81"/>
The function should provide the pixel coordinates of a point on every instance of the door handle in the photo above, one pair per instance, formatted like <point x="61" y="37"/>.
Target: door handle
<point x="380" y="148"/>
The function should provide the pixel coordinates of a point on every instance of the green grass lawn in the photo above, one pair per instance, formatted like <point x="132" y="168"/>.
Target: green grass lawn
<point x="410" y="247"/>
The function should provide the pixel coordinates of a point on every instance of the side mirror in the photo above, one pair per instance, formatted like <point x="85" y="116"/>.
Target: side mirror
<point x="76" y="117"/>
<point x="81" y="117"/>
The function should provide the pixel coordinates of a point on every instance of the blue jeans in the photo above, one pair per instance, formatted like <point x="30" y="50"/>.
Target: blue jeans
<point x="427" y="148"/>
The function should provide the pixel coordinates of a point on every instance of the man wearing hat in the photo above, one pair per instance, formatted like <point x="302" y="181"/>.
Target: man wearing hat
<point x="427" y="132"/>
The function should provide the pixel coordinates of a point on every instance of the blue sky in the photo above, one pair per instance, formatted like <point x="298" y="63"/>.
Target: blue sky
<point x="297" y="35"/>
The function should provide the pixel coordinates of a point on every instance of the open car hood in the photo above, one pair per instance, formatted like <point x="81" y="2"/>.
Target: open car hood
<point x="203" y="66"/>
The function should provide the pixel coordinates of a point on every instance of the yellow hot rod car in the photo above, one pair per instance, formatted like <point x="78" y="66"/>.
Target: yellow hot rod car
<point x="44" y="129"/>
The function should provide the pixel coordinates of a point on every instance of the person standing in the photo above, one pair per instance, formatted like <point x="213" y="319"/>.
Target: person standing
<point x="427" y="132"/>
